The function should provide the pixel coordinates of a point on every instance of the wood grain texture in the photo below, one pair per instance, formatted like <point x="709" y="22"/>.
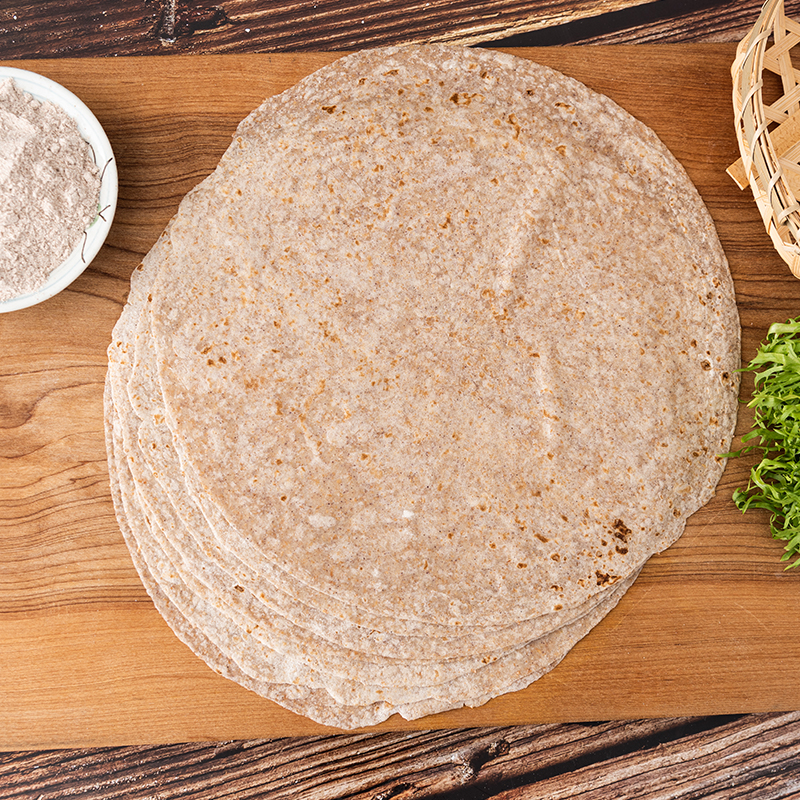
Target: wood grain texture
<point x="717" y="757"/>
<point x="666" y="21"/>
<point x="709" y="628"/>
<point x="63" y="28"/>
<point x="157" y="26"/>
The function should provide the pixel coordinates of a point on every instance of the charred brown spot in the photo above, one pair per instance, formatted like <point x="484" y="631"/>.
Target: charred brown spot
<point x="605" y="579"/>
<point x="620" y="530"/>
<point x="463" y="98"/>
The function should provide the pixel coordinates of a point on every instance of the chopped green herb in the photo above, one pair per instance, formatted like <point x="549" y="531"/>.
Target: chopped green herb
<point x="775" y="481"/>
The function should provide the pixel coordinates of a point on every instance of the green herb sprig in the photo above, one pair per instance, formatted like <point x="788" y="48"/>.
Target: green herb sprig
<point x="775" y="481"/>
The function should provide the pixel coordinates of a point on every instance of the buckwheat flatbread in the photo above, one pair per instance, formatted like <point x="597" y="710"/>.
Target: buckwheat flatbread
<point x="416" y="381"/>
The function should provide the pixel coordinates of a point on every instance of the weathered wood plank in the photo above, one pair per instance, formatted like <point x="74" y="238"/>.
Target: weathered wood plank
<point x="58" y="28"/>
<point x="69" y="27"/>
<point x="755" y="759"/>
<point x="654" y="759"/>
<point x="664" y="22"/>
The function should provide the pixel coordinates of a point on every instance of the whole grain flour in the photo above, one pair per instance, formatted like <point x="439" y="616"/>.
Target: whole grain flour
<point x="49" y="189"/>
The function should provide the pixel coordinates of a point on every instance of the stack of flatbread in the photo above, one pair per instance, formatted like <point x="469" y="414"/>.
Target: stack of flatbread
<point x="413" y="385"/>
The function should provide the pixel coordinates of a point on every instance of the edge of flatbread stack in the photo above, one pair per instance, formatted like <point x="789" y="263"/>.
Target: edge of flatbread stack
<point x="416" y="381"/>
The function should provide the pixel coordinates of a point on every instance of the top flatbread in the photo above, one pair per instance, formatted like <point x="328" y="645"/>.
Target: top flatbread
<point x="443" y="308"/>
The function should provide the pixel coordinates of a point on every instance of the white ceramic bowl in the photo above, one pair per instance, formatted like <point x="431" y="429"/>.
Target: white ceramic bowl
<point x="62" y="276"/>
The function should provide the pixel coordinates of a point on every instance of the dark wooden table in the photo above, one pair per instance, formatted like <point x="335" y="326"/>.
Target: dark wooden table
<point x="740" y="756"/>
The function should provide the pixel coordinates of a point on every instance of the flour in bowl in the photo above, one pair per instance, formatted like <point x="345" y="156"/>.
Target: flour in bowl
<point x="49" y="189"/>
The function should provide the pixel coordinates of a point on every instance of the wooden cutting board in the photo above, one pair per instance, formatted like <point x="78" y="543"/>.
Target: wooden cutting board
<point x="710" y="627"/>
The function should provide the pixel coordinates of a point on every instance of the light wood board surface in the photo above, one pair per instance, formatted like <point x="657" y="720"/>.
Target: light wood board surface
<point x="710" y="627"/>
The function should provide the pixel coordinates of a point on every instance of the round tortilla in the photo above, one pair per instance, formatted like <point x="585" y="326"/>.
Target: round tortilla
<point x="417" y="380"/>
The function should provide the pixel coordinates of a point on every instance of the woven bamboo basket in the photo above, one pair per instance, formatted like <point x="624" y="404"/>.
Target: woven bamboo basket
<point x="769" y="134"/>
